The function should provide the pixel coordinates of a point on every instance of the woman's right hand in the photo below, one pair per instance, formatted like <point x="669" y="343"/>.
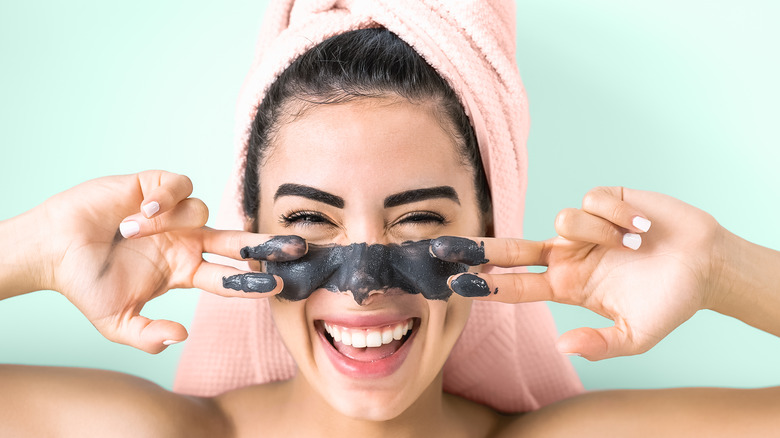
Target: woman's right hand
<point x="110" y="275"/>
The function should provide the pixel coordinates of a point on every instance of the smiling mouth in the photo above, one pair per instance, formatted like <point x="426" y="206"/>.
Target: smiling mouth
<point x="368" y="344"/>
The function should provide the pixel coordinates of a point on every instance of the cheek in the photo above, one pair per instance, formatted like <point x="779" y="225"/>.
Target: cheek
<point x="458" y="311"/>
<point x="290" y="320"/>
<point x="447" y="321"/>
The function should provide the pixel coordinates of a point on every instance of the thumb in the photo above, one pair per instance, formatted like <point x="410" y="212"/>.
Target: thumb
<point x="151" y="336"/>
<point x="597" y="344"/>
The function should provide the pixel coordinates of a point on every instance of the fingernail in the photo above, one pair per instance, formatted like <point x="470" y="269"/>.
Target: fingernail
<point x="276" y="249"/>
<point x="129" y="229"/>
<point x="470" y="285"/>
<point x="170" y="342"/>
<point x="150" y="209"/>
<point x="250" y="282"/>
<point x="459" y="250"/>
<point x="641" y="223"/>
<point x="631" y="240"/>
<point x="573" y="354"/>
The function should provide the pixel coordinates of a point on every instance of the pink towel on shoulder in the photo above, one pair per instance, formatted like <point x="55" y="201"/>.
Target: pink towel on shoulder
<point x="506" y="357"/>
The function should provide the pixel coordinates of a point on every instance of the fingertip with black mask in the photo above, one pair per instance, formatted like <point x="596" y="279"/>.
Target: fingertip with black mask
<point x="459" y="250"/>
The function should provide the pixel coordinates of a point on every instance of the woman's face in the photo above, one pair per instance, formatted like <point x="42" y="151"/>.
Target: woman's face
<point x="364" y="166"/>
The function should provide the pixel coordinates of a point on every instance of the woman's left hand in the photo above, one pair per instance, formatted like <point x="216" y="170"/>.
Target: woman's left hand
<point x="647" y="291"/>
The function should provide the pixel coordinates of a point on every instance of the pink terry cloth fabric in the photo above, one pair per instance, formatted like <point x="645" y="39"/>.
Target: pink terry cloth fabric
<point x="506" y="357"/>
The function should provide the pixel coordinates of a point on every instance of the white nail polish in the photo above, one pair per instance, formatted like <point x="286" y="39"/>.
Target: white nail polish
<point x="170" y="342"/>
<point x="129" y="229"/>
<point x="151" y="208"/>
<point x="631" y="240"/>
<point x="641" y="223"/>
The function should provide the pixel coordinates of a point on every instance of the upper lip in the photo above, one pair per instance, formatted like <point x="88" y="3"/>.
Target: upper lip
<point x="364" y="321"/>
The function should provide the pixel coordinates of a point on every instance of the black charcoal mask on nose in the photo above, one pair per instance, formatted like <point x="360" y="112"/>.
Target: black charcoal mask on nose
<point x="361" y="268"/>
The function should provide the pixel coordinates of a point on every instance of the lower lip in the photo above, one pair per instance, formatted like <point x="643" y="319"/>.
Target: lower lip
<point x="365" y="370"/>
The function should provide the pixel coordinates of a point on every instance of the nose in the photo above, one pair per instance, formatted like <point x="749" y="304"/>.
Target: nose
<point x="366" y="271"/>
<point x="365" y="227"/>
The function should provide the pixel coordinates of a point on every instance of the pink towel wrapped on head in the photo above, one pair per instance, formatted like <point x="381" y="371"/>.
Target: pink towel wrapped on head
<point x="505" y="357"/>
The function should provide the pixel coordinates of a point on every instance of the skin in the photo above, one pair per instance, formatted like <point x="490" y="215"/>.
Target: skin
<point x="707" y="268"/>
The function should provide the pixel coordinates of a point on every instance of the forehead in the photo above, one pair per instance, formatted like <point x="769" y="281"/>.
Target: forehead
<point x="389" y="142"/>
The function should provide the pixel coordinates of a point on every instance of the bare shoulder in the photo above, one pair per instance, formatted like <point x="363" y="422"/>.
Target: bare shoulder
<point x="679" y="412"/>
<point x="49" y="401"/>
<point x="253" y="408"/>
<point x="472" y="419"/>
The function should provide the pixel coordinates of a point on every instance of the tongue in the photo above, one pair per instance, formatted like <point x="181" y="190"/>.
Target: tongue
<point x="368" y="354"/>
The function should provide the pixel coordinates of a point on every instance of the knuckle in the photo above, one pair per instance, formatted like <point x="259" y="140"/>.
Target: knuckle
<point x="155" y="225"/>
<point x="166" y="198"/>
<point x="151" y="174"/>
<point x="621" y="213"/>
<point x="608" y="233"/>
<point x="514" y="249"/>
<point x="518" y="288"/>
<point x="591" y="198"/>
<point x="564" y="219"/>
<point x="200" y="212"/>
<point x="234" y="241"/>
<point x="186" y="183"/>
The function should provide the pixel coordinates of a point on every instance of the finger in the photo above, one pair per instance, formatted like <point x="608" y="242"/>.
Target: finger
<point x="598" y="344"/>
<point x="162" y="191"/>
<point x="494" y="251"/>
<point x="227" y="281"/>
<point x="608" y="203"/>
<point x="151" y="336"/>
<point x="246" y="245"/>
<point x="581" y="226"/>
<point x="506" y="288"/>
<point x="187" y="214"/>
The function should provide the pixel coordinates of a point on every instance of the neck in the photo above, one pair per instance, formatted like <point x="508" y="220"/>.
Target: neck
<point x="427" y="416"/>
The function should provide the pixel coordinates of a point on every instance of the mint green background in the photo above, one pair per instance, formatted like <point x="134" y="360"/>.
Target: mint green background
<point x="674" y="96"/>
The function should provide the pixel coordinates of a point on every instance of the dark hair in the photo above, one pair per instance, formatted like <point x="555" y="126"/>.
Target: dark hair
<point x="361" y="63"/>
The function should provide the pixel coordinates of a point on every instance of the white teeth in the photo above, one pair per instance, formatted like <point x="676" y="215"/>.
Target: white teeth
<point x="373" y="339"/>
<point x="398" y="332"/>
<point x="362" y="338"/>
<point x="387" y="335"/>
<point x="359" y="339"/>
<point x="346" y="337"/>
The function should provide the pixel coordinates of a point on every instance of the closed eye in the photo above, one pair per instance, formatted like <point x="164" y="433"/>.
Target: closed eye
<point x="423" y="218"/>
<point x="304" y="218"/>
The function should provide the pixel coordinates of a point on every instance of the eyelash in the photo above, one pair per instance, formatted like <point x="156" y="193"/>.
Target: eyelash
<point x="423" y="217"/>
<point x="312" y="218"/>
<point x="303" y="217"/>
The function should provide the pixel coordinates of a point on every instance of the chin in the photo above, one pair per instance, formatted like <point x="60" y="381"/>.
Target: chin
<point x="369" y="405"/>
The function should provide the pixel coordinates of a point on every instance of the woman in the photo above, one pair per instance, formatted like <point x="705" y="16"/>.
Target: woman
<point x="469" y="45"/>
<point x="427" y="192"/>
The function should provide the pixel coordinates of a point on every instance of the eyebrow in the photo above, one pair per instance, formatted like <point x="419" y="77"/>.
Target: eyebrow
<point x="416" y="195"/>
<point x="310" y="193"/>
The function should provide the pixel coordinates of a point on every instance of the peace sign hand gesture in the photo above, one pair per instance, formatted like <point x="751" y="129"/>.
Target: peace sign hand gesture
<point x="608" y="259"/>
<point x="112" y="244"/>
